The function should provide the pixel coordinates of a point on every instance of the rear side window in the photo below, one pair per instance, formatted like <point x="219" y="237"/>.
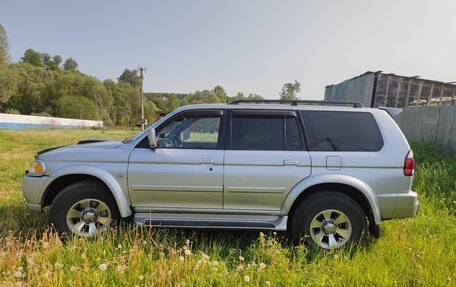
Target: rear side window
<point x="342" y="131"/>
<point x="265" y="132"/>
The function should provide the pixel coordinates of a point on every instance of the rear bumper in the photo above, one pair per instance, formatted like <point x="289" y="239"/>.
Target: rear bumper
<point x="406" y="205"/>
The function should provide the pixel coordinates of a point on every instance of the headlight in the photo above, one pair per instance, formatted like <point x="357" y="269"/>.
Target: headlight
<point x="37" y="168"/>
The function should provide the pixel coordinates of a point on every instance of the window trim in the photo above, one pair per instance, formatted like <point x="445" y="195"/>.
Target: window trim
<point x="255" y="113"/>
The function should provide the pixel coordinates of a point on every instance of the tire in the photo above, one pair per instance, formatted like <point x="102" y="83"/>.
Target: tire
<point x="83" y="209"/>
<point x="328" y="220"/>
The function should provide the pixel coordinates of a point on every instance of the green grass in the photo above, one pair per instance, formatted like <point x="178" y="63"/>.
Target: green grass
<point x="411" y="252"/>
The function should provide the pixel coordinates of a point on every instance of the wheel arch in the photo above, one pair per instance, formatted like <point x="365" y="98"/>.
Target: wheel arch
<point x="65" y="177"/>
<point x="352" y="187"/>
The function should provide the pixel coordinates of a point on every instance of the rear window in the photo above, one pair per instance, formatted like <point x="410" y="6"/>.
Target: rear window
<point x="342" y="131"/>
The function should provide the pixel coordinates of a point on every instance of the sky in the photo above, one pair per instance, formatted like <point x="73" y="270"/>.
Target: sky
<point x="243" y="45"/>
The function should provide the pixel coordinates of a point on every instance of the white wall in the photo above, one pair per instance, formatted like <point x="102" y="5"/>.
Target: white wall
<point x="22" y="121"/>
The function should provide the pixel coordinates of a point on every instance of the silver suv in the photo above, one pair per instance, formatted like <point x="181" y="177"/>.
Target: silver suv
<point x="325" y="173"/>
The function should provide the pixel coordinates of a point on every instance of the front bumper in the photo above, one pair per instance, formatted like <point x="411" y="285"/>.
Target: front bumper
<point x="32" y="190"/>
<point x="406" y="205"/>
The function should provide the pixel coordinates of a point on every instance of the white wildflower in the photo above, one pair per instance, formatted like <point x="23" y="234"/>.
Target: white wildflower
<point x="268" y="283"/>
<point x="102" y="267"/>
<point x="58" y="265"/>
<point x="181" y="258"/>
<point x="262" y="265"/>
<point x="246" y="278"/>
<point x="215" y="263"/>
<point x="18" y="274"/>
<point x="72" y="268"/>
<point x="241" y="258"/>
<point x="140" y="277"/>
<point x="187" y="252"/>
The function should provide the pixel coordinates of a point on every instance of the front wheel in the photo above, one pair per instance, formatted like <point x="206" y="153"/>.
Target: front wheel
<point x="329" y="220"/>
<point x="84" y="209"/>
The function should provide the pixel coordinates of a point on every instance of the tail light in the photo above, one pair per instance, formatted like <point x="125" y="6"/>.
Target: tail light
<point x="409" y="164"/>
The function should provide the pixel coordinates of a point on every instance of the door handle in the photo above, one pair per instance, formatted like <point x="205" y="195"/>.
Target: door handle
<point x="206" y="161"/>
<point x="290" y="162"/>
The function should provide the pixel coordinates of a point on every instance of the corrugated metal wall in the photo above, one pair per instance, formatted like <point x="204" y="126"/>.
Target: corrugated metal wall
<point x="392" y="91"/>
<point x="435" y="125"/>
<point x="359" y="89"/>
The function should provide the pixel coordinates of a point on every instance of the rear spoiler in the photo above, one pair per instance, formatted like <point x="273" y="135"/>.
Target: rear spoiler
<point x="391" y="111"/>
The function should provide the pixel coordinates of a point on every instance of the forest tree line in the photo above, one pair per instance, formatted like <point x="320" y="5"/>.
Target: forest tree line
<point x="46" y="85"/>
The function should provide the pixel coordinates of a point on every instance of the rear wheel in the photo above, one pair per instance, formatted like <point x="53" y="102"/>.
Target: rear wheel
<point x="84" y="209"/>
<point x="329" y="220"/>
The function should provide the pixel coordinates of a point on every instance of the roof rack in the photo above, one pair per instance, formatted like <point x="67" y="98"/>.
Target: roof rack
<point x="296" y="102"/>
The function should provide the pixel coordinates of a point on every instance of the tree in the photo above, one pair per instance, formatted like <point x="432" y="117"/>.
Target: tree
<point x="8" y="84"/>
<point x="173" y="103"/>
<point x="56" y="61"/>
<point x="219" y="92"/>
<point x="46" y="59"/>
<point x="290" y="90"/>
<point x="184" y="102"/>
<point x="203" y="97"/>
<point x="129" y="77"/>
<point x="77" y="107"/>
<point x="4" y="47"/>
<point x="70" y="65"/>
<point x="240" y="96"/>
<point x="32" y="57"/>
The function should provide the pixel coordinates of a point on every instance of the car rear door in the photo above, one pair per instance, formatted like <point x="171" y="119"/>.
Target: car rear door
<point x="265" y="157"/>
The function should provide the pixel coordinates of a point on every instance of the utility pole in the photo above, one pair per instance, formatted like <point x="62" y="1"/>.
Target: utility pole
<point x="141" y="79"/>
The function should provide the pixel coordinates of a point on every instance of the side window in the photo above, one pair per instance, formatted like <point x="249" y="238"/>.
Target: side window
<point x="264" y="132"/>
<point x="293" y="137"/>
<point x="342" y="131"/>
<point x="190" y="132"/>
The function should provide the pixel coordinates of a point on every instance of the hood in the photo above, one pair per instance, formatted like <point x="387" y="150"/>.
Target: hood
<point x="87" y="150"/>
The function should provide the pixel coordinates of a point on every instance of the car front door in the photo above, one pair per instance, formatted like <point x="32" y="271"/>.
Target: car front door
<point x="265" y="158"/>
<point x="185" y="171"/>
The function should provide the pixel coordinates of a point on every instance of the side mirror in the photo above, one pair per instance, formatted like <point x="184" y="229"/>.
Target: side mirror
<point x="152" y="138"/>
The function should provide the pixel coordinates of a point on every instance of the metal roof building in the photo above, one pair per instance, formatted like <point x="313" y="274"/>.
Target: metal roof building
<point x="377" y="89"/>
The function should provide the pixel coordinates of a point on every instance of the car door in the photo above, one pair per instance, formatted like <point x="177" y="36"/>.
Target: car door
<point x="185" y="171"/>
<point x="265" y="158"/>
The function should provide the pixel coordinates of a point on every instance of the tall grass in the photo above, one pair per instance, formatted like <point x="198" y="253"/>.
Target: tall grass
<point x="411" y="252"/>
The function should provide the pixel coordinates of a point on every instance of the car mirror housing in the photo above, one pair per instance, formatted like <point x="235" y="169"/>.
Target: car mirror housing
<point x="151" y="136"/>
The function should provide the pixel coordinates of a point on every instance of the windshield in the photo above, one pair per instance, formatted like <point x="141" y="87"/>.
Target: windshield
<point x="131" y="138"/>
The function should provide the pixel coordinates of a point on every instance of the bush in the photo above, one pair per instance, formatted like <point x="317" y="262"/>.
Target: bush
<point x="42" y="114"/>
<point x="76" y="107"/>
<point x="13" y="112"/>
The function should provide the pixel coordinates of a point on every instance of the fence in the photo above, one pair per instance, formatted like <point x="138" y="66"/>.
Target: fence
<point x="9" y="121"/>
<point x="430" y="124"/>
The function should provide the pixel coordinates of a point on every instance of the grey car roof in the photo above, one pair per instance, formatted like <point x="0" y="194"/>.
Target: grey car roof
<point x="272" y="107"/>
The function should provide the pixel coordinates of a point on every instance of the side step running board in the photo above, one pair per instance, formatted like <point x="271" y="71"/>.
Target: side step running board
<point x="214" y="221"/>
